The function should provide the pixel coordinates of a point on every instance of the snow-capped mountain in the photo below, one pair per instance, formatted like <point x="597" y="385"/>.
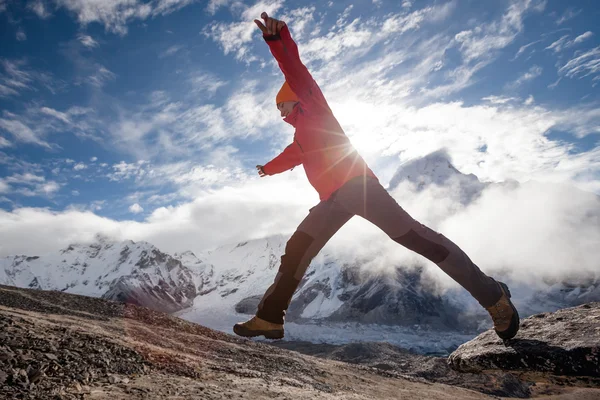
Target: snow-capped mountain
<point x="331" y="290"/>
<point x="436" y="169"/>
<point x="138" y="273"/>
<point x="219" y="287"/>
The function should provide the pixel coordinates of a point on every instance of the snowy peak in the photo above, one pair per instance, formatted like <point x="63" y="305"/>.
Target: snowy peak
<point x="128" y="271"/>
<point x="437" y="169"/>
<point x="434" y="168"/>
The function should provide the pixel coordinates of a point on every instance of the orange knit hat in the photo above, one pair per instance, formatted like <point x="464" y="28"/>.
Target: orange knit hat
<point x="286" y="94"/>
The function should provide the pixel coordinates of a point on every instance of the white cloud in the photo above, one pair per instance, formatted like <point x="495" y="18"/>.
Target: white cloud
<point x="482" y="41"/>
<point x="515" y="136"/>
<point x="136" y="208"/>
<point x="214" y="5"/>
<point x="205" y="83"/>
<point x="50" y="188"/>
<point x="530" y="75"/>
<point x="164" y="7"/>
<point x="35" y="124"/>
<point x="44" y="225"/>
<point x="100" y="77"/>
<point x="522" y="49"/>
<point x="6" y="91"/>
<point x="569" y="13"/>
<point x="21" y="36"/>
<point x="582" y="65"/>
<point x="498" y="99"/>
<point x="4" y="187"/>
<point x="125" y="170"/>
<point x="560" y="44"/>
<point x="79" y="166"/>
<point x="554" y="242"/>
<point x="27" y="178"/>
<point x="530" y="100"/>
<point x="353" y="36"/>
<point x="564" y="43"/>
<point x="75" y="192"/>
<point x="4" y="142"/>
<point x="14" y="77"/>
<point x="277" y="205"/>
<point x="186" y="178"/>
<point x="96" y="205"/>
<point x="583" y="37"/>
<point x="116" y="14"/>
<point x="234" y="37"/>
<point x="30" y="185"/>
<point x="40" y="8"/>
<point x="87" y="41"/>
<point x="401" y="23"/>
<point x="171" y="51"/>
<point x="94" y="159"/>
<point x="302" y="20"/>
<point x="187" y="127"/>
<point x="22" y="133"/>
<point x="56" y="114"/>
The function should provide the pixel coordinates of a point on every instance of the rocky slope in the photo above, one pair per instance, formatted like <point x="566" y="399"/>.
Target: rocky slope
<point x="566" y="342"/>
<point x="551" y="350"/>
<point x="55" y="345"/>
<point x="60" y="346"/>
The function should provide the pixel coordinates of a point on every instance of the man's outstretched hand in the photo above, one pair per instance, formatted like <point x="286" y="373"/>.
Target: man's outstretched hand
<point x="271" y="26"/>
<point x="261" y="173"/>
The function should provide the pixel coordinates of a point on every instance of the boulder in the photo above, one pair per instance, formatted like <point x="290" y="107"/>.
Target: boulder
<point x="565" y="342"/>
<point x="249" y="305"/>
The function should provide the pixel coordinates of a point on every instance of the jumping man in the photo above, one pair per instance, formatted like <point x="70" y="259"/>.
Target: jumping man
<point x="346" y="187"/>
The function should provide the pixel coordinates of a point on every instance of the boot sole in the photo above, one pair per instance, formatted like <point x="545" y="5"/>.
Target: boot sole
<point x="514" y="322"/>
<point x="240" y="330"/>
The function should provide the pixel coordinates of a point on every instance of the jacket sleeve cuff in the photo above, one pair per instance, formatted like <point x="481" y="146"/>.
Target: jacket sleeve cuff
<point x="284" y="33"/>
<point x="271" y="38"/>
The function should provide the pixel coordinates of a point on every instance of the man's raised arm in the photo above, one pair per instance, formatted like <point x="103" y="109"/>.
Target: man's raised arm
<point x="285" y="51"/>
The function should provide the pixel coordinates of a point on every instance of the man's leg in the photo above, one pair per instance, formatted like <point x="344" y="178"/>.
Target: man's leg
<point x="322" y="222"/>
<point x="367" y="198"/>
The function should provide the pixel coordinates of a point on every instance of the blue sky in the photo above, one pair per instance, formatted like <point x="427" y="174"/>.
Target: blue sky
<point x="129" y="113"/>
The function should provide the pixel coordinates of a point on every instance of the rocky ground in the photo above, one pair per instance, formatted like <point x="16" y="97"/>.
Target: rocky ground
<point x="59" y="346"/>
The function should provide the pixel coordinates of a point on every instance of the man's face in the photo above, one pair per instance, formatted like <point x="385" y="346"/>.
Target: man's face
<point x="286" y="107"/>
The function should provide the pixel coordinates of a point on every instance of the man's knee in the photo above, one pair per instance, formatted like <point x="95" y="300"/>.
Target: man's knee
<point x="296" y="249"/>
<point x="425" y="247"/>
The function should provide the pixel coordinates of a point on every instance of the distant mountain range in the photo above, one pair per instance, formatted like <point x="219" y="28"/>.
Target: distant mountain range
<point x="232" y="278"/>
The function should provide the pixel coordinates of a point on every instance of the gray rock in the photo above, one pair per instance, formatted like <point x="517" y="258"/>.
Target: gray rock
<point x="249" y="305"/>
<point x="35" y="375"/>
<point x="566" y="342"/>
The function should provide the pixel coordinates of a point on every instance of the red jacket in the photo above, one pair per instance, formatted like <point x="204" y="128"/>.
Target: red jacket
<point x="320" y="144"/>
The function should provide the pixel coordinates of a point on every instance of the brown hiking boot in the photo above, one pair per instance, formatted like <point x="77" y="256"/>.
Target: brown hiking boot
<point x="257" y="327"/>
<point x="505" y="315"/>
